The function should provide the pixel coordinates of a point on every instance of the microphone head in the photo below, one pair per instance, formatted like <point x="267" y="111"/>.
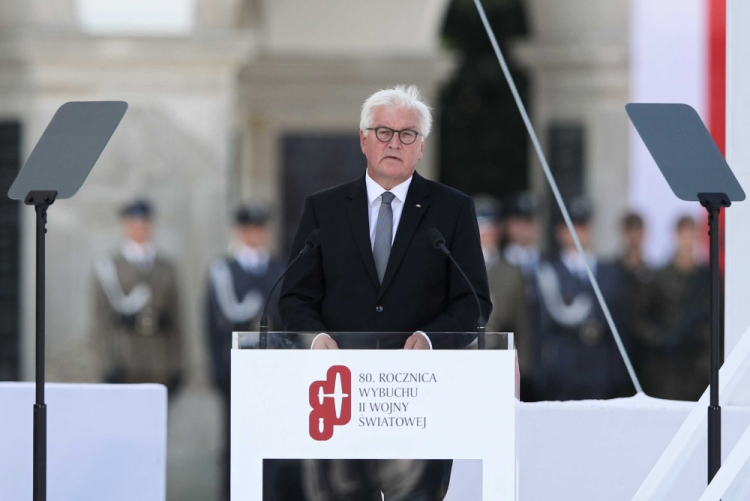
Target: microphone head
<point x="313" y="239"/>
<point x="435" y="237"/>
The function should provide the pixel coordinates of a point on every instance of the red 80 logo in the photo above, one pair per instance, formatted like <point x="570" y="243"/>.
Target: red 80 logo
<point x="331" y="402"/>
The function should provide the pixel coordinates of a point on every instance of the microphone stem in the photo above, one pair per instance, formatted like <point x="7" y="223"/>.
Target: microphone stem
<point x="263" y="328"/>
<point x="480" y="321"/>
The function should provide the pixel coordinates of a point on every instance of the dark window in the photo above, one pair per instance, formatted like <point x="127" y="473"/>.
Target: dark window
<point x="311" y="163"/>
<point x="10" y="151"/>
<point x="566" y="161"/>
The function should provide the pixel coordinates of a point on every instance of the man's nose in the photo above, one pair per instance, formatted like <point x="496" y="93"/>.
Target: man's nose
<point x="395" y="142"/>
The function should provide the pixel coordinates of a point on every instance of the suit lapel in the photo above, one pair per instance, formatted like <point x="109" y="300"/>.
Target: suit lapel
<point x="359" y="220"/>
<point x="415" y="207"/>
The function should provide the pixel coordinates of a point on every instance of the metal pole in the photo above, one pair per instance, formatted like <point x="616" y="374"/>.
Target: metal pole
<point x="558" y="198"/>
<point x="40" y="408"/>
<point x="714" y="410"/>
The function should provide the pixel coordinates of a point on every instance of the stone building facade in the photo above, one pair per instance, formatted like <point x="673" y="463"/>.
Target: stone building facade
<point x="223" y="102"/>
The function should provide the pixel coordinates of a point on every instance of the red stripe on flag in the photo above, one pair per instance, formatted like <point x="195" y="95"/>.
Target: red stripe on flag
<point x="717" y="70"/>
<point x="717" y="87"/>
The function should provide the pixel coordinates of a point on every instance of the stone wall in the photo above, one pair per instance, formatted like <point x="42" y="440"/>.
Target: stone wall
<point x="578" y="59"/>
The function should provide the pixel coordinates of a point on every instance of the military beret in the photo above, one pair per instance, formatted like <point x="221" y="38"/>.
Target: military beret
<point x="579" y="210"/>
<point x="521" y="205"/>
<point x="487" y="208"/>
<point x="251" y="215"/>
<point x="138" y="208"/>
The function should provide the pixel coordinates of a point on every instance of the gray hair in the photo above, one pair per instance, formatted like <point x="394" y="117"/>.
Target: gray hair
<point x="400" y="96"/>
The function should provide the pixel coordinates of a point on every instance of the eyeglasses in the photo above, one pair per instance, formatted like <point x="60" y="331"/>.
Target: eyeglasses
<point x="385" y="134"/>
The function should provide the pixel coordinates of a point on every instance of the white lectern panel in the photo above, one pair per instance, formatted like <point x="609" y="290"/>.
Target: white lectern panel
<point x="374" y="404"/>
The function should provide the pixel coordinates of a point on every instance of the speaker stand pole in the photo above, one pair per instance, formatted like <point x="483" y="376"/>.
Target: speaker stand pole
<point x="41" y="200"/>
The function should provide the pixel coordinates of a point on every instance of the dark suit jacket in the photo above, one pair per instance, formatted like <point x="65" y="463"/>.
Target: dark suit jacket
<point x="335" y="288"/>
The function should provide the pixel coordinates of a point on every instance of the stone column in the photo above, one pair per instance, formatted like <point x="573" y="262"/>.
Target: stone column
<point x="173" y="146"/>
<point x="578" y="59"/>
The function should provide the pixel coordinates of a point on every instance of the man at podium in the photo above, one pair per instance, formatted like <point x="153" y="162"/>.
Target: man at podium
<point x="376" y="270"/>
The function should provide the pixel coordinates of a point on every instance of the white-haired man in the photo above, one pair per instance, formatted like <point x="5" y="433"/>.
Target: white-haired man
<point x="376" y="270"/>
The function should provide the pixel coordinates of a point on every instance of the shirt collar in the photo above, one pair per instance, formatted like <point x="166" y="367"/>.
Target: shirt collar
<point x="571" y="258"/>
<point x="374" y="190"/>
<point x="138" y="253"/>
<point x="521" y="256"/>
<point x="251" y="258"/>
<point x="491" y="255"/>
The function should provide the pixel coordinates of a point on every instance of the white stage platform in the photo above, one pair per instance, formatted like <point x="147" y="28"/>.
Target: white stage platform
<point x="603" y="450"/>
<point x="103" y="442"/>
<point x="109" y="442"/>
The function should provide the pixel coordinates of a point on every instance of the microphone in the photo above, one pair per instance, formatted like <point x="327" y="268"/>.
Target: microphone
<point x="311" y="243"/>
<point x="438" y="241"/>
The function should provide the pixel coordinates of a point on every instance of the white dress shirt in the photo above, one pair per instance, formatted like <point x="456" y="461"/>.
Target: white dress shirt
<point x="374" y="200"/>
<point x="252" y="260"/>
<point x="571" y="258"/>
<point x="526" y="258"/>
<point x="491" y="255"/>
<point x="141" y="255"/>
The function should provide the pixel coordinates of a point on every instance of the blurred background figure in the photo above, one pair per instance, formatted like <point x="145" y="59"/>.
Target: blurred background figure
<point x="636" y="277"/>
<point x="507" y="286"/>
<point x="579" y="358"/>
<point x="521" y="249"/>
<point x="633" y="233"/>
<point x="238" y="286"/>
<point x="521" y="233"/>
<point x="136" y="308"/>
<point x="674" y="324"/>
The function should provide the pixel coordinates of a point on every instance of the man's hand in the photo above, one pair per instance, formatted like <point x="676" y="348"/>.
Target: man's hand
<point x="417" y="341"/>
<point x="325" y="342"/>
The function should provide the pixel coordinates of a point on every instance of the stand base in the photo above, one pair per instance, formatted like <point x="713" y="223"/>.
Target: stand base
<point x="714" y="442"/>
<point x="40" y="452"/>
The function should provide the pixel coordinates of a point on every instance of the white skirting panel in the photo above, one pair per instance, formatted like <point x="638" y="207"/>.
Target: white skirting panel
<point x="737" y="288"/>
<point x="103" y="441"/>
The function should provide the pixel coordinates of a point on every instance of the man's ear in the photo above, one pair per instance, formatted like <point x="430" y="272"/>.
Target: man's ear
<point x="362" y="139"/>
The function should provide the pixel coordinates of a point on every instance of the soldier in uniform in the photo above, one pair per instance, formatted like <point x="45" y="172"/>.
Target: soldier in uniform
<point x="521" y="232"/>
<point x="637" y="278"/>
<point x="579" y="358"/>
<point x="238" y="285"/>
<point x="507" y="287"/>
<point x="136" y="308"/>
<point x="674" y="323"/>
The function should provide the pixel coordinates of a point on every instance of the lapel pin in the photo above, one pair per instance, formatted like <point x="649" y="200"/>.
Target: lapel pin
<point x="418" y="205"/>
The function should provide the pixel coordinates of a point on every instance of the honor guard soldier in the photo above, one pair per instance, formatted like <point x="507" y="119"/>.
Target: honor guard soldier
<point x="136" y="307"/>
<point x="507" y="286"/>
<point x="238" y="285"/>
<point x="579" y="357"/>
<point x="521" y="234"/>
